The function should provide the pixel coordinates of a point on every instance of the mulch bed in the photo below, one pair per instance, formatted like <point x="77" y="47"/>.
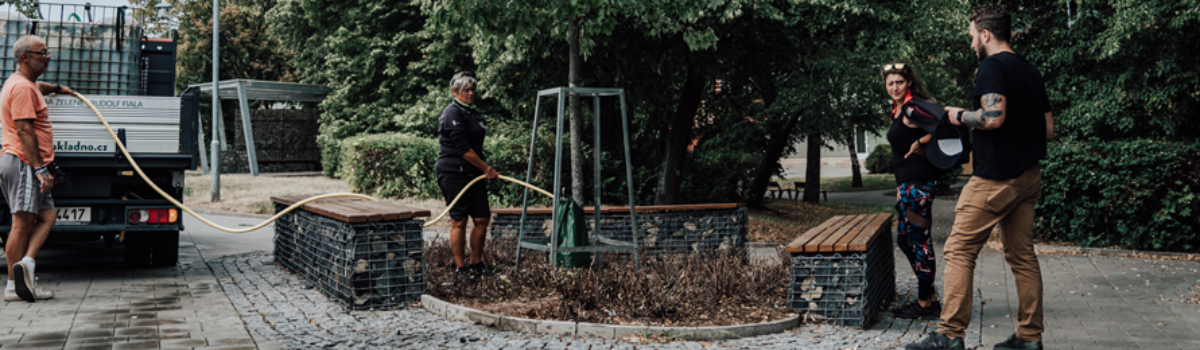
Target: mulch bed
<point x="704" y="289"/>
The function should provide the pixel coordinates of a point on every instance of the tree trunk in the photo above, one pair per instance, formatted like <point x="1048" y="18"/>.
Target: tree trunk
<point x="678" y="138"/>
<point x="766" y="168"/>
<point x="812" y="171"/>
<point x="576" y="114"/>
<point x="856" y="173"/>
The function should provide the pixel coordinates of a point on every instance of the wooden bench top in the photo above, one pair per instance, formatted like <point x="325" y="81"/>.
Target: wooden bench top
<point x="353" y="210"/>
<point x="843" y="233"/>
<point x="640" y="209"/>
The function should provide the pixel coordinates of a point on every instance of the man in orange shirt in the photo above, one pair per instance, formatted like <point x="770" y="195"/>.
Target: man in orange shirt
<point x="25" y="178"/>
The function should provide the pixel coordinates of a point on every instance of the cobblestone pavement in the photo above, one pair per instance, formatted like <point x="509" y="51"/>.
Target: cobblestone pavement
<point x="280" y="306"/>
<point x="101" y="304"/>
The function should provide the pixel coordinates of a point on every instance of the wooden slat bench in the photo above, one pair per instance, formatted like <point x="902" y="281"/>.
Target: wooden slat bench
<point x="843" y="270"/>
<point x="800" y="189"/>
<point x="777" y="191"/>
<point x="362" y="253"/>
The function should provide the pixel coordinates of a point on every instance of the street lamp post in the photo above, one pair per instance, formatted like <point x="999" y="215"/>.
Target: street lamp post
<point x="215" y="161"/>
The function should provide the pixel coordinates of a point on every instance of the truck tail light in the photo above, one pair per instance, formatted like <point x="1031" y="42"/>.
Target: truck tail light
<point x="154" y="216"/>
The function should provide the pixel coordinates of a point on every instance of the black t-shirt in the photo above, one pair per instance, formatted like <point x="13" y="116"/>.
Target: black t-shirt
<point x="459" y="130"/>
<point x="915" y="168"/>
<point x="1006" y="152"/>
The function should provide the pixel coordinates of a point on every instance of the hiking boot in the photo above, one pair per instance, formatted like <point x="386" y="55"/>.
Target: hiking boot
<point x="915" y="310"/>
<point x="937" y="341"/>
<point x="1016" y="343"/>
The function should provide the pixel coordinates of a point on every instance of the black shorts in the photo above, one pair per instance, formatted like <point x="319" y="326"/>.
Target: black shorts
<point x="474" y="203"/>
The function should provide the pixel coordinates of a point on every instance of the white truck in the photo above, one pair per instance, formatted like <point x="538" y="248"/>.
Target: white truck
<point x="100" y="53"/>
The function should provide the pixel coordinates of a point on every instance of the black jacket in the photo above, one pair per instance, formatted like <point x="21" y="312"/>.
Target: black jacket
<point x="459" y="130"/>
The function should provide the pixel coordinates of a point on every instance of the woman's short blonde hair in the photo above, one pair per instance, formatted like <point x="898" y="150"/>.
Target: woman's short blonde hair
<point x="462" y="80"/>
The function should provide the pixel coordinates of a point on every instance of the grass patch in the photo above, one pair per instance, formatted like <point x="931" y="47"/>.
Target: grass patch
<point x="783" y="220"/>
<point x="838" y="184"/>
<point x="244" y="193"/>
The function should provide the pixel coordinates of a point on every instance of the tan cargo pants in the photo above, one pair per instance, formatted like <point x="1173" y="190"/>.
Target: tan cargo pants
<point x="983" y="204"/>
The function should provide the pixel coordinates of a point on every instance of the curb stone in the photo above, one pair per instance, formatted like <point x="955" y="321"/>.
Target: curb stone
<point x="456" y="312"/>
<point x="1052" y="249"/>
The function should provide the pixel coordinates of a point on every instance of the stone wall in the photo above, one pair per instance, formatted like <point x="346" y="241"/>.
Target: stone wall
<point x="285" y="140"/>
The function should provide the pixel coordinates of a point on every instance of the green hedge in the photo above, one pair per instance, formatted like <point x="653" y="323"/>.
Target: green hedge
<point x="402" y="165"/>
<point x="389" y="165"/>
<point x="880" y="159"/>
<point x="1138" y="194"/>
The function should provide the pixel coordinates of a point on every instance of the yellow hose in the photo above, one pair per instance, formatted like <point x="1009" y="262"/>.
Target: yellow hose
<point x="132" y="162"/>
<point x="477" y="179"/>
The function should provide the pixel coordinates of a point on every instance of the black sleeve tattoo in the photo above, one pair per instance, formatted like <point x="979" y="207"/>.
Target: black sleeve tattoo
<point x="990" y="100"/>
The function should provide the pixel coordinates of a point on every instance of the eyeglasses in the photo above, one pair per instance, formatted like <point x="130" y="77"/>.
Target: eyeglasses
<point x="40" y="53"/>
<point x="893" y="66"/>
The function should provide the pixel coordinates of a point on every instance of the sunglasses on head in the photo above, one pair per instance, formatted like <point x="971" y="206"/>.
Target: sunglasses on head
<point x="893" y="66"/>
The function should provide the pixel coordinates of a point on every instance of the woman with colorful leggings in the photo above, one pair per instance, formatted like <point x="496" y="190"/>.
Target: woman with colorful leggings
<point x="916" y="181"/>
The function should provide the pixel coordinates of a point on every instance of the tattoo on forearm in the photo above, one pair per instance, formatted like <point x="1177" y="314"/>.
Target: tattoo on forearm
<point x="974" y="119"/>
<point x="991" y="100"/>
<point x="991" y="115"/>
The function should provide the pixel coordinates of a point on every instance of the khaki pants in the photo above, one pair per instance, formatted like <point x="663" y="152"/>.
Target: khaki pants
<point x="983" y="204"/>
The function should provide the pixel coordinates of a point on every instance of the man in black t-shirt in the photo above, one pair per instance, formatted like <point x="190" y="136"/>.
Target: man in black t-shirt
<point x="1011" y="123"/>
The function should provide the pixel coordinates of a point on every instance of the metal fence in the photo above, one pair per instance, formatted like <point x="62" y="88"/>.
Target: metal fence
<point x="363" y="265"/>
<point x="846" y="289"/>
<point x="683" y="231"/>
<point x="96" y="50"/>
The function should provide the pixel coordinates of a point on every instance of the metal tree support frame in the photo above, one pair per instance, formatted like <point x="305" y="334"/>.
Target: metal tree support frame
<point x="610" y="245"/>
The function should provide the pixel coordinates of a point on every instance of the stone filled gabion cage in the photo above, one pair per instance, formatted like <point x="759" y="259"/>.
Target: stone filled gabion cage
<point x="846" y="289"/>
<point x="660" y="231"/>
<point x="361" y="265"/>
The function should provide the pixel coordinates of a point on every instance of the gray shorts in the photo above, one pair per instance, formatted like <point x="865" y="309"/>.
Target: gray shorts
<point x="21" y="188"/>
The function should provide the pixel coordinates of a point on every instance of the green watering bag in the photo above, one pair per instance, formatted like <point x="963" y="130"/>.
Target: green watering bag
<point x="572" y="232"/>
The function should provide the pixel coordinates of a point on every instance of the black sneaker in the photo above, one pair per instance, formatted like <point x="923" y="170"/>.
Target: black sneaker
<point x="937" y="341"/>
<point x="915" y="310"/>
<point x="480" y="270"/>
<point x="463" y="274"/>
<point x="1016" y="343"/>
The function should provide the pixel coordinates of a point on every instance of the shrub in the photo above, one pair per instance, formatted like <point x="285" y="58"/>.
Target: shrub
<point x="1132" y="194"/>
<point x="403" y="165"/>
<point x="390" y="165"/>
<point x="880" y="160"/>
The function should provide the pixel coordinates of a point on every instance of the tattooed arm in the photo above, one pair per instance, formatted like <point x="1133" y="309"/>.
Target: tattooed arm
<point x="990" y="117"/>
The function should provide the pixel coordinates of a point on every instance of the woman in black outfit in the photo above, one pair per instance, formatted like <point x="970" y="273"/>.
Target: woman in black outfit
<point x="916" y="180"/>
<point x="461" y="130"/>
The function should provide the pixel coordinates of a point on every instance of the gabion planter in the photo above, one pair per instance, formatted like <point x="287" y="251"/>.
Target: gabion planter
<point x="847" y="288"/>
<point x="362" y="265"/>
<point x="660" y="231"/>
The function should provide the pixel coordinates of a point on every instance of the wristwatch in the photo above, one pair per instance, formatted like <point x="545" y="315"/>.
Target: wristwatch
<point x="959" y="117"/>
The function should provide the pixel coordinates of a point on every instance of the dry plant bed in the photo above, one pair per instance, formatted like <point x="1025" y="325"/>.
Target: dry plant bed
<point x="716" y="288"/>
<point x="784" y="220"/>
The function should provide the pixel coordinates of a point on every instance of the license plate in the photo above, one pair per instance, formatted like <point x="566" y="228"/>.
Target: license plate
<point x="73" y="215"/>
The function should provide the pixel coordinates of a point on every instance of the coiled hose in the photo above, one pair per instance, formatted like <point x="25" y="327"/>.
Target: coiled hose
<point x="162" y="193"/>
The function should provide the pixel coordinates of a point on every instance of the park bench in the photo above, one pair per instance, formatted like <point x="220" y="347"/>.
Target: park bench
<point x="799" y="185"/>
<point x="843" y="270"/>
<point x="776" y="191"/>
<point x="361" y="253"/>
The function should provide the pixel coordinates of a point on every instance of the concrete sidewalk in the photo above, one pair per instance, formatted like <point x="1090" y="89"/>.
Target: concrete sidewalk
<point x="226" y="293"/>
<point x="1091" y="301"/>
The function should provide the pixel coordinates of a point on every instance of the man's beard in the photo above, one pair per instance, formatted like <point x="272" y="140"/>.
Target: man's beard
<point x="981" y="53"/>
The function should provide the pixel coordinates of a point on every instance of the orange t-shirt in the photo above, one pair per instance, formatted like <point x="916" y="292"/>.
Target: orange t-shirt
<point x="20" y="100"/>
